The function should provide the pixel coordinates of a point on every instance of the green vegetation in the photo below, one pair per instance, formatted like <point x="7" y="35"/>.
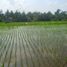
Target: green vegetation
<point x="10" y="16"/>
<point x="33" y="23"/>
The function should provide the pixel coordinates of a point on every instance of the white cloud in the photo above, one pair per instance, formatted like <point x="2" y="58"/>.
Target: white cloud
<point x="33" y="5"/>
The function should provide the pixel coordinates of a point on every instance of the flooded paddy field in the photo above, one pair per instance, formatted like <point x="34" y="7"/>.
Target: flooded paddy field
<point x="33" y="46"/>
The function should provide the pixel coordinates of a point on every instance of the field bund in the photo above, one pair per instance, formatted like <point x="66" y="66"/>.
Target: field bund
<point x="33" y="46"/>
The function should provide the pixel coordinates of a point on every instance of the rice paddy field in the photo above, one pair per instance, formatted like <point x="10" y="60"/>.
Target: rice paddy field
<point x="33" y="45"/>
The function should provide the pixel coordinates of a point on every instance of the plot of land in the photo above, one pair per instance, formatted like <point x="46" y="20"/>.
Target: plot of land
<point x="33" y="46"/>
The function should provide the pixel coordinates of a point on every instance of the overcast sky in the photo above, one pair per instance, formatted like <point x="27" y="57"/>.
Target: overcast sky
<point x="33" y="5"/>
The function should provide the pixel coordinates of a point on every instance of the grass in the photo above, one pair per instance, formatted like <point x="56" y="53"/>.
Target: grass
<point x="36" y="44"/>
<point x="33" y="23"/>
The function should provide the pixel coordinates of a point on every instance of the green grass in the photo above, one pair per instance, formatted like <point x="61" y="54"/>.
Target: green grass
<point x="33" y="23"/>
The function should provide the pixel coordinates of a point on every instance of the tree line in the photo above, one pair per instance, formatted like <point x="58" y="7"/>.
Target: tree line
<point x="10" y="16"/>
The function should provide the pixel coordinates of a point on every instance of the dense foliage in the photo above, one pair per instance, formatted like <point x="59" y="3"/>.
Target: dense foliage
<point x="10" y="16"/>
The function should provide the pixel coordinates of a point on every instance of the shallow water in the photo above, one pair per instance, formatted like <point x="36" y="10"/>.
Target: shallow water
<point x="31" y="46"/>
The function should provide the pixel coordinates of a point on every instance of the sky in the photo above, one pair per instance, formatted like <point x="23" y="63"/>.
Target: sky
<point x="33" y="5"/>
